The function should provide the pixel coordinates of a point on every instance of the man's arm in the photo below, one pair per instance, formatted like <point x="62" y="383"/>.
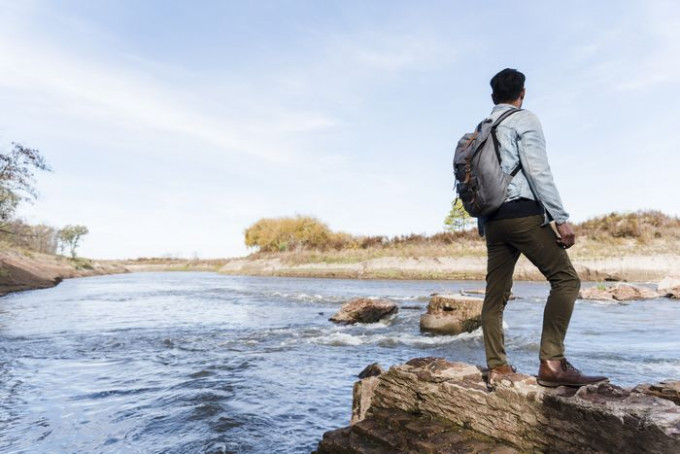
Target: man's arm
<point x="534" y="159"/>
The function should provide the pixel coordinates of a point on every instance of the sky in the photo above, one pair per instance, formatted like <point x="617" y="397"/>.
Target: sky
<point x="173" y="126"/>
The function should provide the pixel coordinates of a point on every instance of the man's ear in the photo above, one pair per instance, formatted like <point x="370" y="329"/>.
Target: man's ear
<point x="522" y="93"/>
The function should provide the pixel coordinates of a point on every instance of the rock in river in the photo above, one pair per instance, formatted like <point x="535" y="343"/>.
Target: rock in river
<point x="669" y="286"/>
<point x="452" y="314"/>
<point x="430" y="405"/>
<point x="620" y="292"/>
<point x="364" y="310"/>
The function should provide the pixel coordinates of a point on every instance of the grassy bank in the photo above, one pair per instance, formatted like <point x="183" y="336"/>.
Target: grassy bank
<point x="642" y="246"/>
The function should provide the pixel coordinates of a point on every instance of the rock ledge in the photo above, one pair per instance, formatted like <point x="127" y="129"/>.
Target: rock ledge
<point x="430" y="405"/>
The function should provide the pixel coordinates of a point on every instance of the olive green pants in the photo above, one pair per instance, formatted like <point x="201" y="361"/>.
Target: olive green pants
<point x="506" y="239"/>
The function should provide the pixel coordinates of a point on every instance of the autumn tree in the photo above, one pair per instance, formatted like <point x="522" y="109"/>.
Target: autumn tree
<point x="70" y="236"/>
<point x="288" y="234"/>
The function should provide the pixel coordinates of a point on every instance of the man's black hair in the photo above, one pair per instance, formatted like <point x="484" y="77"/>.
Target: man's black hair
<point x="507" y="85"/>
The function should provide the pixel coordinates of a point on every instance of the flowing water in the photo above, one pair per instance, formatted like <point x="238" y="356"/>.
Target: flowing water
<point x="205" y="363"/>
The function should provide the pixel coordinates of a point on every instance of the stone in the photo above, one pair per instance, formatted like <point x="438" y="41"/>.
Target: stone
<point x="669" y="390"/>
<point x="372" y="370"/>
<point x="668" y="283"/>
<point x="619" y="292"/>
<point x="362" y="395"/>
<point x="431" y="405"/>
<point x="364" y="310"/>
<point x="670" y="287"/>
<point x="626" y="292"/>
<point x="452" y="314"/>
<point x="595" y="294"/>
<point x="396" y="431"/>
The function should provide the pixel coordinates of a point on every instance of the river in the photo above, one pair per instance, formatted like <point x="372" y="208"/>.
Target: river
<point x="206" y="363"/>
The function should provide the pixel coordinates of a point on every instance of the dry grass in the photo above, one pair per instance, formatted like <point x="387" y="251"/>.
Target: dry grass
<point x="612" y="235"/>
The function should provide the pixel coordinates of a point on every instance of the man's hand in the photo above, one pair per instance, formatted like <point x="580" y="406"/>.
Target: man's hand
<point x="568" y="238"/>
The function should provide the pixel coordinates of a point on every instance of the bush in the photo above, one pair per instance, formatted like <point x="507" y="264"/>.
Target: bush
<point x="305" y="232"/>
<point x="290" y="234"/>
<point x="641" y="225"/>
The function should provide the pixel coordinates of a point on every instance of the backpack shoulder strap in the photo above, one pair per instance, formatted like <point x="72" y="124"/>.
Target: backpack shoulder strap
<point x="496" y="144"/>
<point x="503" y="116"/>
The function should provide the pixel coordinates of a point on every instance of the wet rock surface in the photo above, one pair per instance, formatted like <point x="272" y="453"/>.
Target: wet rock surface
<point x="396" y="431"/>
<point x="364" y="310"/>
<point x="452" y="314"/>
<point x="430" y="405"/>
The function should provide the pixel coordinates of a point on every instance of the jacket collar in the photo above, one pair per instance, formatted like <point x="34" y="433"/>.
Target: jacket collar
<point x="502" y="106"/>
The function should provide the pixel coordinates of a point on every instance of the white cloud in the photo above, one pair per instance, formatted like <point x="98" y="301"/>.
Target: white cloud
<point x="118" y="92"/>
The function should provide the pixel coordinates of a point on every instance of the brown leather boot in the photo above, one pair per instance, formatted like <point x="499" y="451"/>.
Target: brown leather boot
<point x="497" y="373"/>
<point x="553" y="373"/>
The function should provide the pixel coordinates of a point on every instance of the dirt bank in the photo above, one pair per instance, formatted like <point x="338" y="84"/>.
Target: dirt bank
<point x="634" y="268"/>
<point x="21" y="270"/>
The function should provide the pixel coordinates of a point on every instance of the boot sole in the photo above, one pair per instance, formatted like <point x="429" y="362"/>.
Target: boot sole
<point x="553" y="384"/>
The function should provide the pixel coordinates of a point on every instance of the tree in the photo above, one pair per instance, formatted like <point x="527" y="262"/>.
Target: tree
<point x="458" y="219"/>
<point x="17" y="177"/>
<point x="70" y="237"/>
<point x="40" y="238"/>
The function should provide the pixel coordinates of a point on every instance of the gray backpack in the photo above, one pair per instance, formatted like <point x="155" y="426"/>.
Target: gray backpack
<point x="481" y="183"/>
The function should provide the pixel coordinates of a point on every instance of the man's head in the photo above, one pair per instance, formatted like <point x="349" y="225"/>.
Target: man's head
<point x="508" y="87"/>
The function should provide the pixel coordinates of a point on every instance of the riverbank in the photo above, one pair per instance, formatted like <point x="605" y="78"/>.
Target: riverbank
<point x="632" y="268"/>
<point x="633" y="246"/>
<point x="595" y="260"/>
<point x="23" y="270"/>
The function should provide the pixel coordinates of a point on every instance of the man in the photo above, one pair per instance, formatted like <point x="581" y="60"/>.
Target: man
<point x="520" y="226"/>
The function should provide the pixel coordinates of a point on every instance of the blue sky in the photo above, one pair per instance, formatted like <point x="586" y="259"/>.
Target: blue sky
<point x="173" y="126"/>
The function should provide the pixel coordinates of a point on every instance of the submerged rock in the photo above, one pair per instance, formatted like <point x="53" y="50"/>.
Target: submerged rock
<point x="620" y="292"/>
<point x="430" y="405"/>
<point x="452" y="314"/>
<point x="364" y="310"/>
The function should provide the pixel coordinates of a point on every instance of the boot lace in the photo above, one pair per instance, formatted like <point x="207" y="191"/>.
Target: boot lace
<point x="566" y="365"/>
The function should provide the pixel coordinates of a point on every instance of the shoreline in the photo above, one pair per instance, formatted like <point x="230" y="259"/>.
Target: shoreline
<point x="629" y="268"/>
<point x="21" y="270"/>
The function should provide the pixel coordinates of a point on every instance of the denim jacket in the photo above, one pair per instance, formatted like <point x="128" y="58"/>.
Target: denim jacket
<point x="521" y="141"/>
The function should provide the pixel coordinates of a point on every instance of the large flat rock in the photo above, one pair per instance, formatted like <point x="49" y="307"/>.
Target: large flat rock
<point x="517" y="413"/>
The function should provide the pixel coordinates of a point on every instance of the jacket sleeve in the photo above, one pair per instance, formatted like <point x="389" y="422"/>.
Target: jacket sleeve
<point x="534" y="159"/>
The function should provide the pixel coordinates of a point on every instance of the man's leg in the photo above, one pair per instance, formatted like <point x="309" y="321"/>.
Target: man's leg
<point x="539" y="245"/>
<point x="501" y="260"/>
